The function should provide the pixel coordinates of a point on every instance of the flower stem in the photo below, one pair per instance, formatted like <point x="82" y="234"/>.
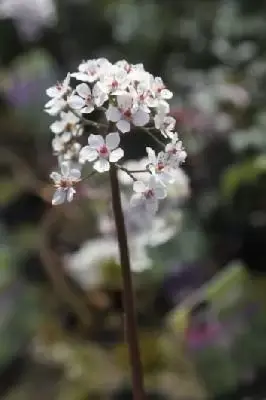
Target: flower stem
<point x="128" y="295"/>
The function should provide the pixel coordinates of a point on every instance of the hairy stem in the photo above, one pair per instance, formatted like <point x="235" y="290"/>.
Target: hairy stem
<point x="128" y="295"/>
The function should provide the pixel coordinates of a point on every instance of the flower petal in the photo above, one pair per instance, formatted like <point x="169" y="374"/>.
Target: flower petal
<point x="65" y="169"/>
<point x="151" y="155"/>
<point x="56" y="177"/>
<point x="83" y="90"/>
<point x="70" y="194"/>
<point x="140" y="118"/>
<point x="75" y="174"/>
<point x="81" y="76"/>
<point x="53" y="91"/>
<point x="152" y="205"/>
<point x="136" y="200"/>
<point x="101" y="165"/>
<point x="139" y="187"/>
<point x="76" y="102"/>
<point x="58" y="127"/>
<point x="116" y="155"/>
<point x="123" y="126"/>
<point x="95" y="141"/>
<point x="166" y="94"/>
<point x="88" y="109"/>
<point x="113" y="114"/>
<point x="59" y="197"/>
<point x="112" y="140"/>
<point x="87" y="153"/>
<point x="160" y="192"/>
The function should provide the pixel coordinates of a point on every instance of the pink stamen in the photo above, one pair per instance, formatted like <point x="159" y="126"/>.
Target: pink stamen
<point x="114" y="84"/>
<point x="149" y="194"/>
<point x="160" y="166"/>
<point x="128" y="114"/>
<point x="103" y="151"/>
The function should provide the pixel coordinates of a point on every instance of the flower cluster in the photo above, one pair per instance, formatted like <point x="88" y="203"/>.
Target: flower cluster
<point x="126" y="96"/>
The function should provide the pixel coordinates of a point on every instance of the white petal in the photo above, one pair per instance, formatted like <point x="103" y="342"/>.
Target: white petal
<point x="139" y="187"/>
<point x="99" y="95"/>
<point x="56" y="177"/>
<point x="70" y="194"/>
<point x="124" y="102"/>
<point x="152" y="182"/>
<point x="116" y="155"/>
<point x="101" y="165"/>
<point x="59" y="196"/>
<point x="151" y="155"/>
<point x="160" y="192"/>
<point x="76" y="102"/>
<point x="65" y="137"/>
<point x="113" y="114"/>
<point x="136" y="200"/>
<point x="166" y="94"/>
<point x="96" y="141"/>
<point x="58" y="127"/>
<point x="53" y="91"/>
<point x="112" y="140"/>
<point x="140" y="118"/>
<point x="123" y="126"/>
<point x="75" y="174"/>
<point x="65" y="169"/>
<point x="80" y="76"/>
<point x="152" y="205"/>
<point x="83" y="90"/>
<point x="88" y="109"/>
<point x="87" y="153"/>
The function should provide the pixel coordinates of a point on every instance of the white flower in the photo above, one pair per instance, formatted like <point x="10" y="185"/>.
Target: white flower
<point x="85" y="265"/>
<point x="89" y="70"/>
<point x="158" y="167"/>
<point x="69" y="124"/>
<point x="87" y="99"/>
<point x="64" y="183"/>
<point x="114" y="80"/>
<point x="148" y="194"/>
<point x="159" y="92"/>
<point x="165" y="123"/>
<point x="102" y="150"/>
<point x="141" y="94"/>
<point x="176" y="154"/>
<point x="125" y="113"/>
<point x="55" y="106"/>
<point x="59" y="90"/>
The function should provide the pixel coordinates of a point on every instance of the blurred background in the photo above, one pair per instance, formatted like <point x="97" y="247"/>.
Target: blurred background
<point x="200" y="274"/>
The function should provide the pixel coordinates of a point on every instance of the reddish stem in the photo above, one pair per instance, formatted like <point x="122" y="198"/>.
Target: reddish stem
<point x="128" y="294"/>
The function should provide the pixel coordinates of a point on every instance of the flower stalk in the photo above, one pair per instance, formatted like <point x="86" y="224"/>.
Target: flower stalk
<point x="128" y="293"/>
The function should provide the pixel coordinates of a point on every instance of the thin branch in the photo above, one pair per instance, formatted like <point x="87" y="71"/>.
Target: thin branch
<point x="127" y="172"/>
<point x="149" y="132"/>
<point x="88" y="176"/>
<point x="88" y="122"/>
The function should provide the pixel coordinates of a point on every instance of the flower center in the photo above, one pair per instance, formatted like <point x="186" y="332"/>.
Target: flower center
<point x="59" y="86"/>
<point x="69" y="127"/>
<point x="160" y="166"/>
<point x="114" y="84"/>
<point x="127" y="114"/>
<point x="89" y="100"/>
<point x="149" y="194"/>
<point x="65" y="183"/>
<point x="103" y="151"/>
